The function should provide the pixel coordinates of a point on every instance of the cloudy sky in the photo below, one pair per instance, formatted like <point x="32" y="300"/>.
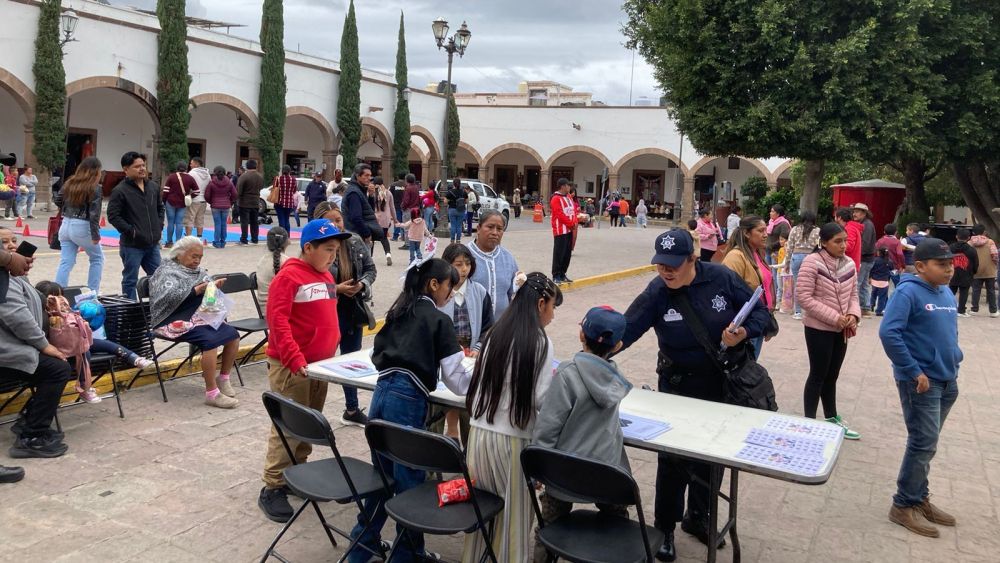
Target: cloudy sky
<point x="577" y="43"/>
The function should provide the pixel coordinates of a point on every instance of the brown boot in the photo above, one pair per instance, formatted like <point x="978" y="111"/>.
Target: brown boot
<point x="911" y="519"/>
<point x="934" y="514"/>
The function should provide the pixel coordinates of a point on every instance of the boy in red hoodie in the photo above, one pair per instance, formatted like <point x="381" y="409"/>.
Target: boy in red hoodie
<point x="302" y="320"/>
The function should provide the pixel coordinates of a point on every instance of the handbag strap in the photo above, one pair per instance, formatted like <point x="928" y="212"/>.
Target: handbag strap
<point x="680" y="299"/>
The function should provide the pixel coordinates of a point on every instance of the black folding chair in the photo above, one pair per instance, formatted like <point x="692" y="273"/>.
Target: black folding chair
<point x="71" y="293"/>
<point x="339" y="479"/>
<point x="589" y="535"/>
<point x="127" y="323"/>
<point x="417" y="509"/>
<point x="239" y="283"/>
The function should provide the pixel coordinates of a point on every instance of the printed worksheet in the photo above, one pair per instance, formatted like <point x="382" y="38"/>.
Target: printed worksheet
<point x="800" y="464"/>
<point x="353" y="369"/>
<point x="639" y="428"/>
<point x="788" y="443"/>
<point x="799" y="427"/>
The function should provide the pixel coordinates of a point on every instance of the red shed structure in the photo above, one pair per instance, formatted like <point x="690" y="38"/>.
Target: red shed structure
<point x="882" y="198"/>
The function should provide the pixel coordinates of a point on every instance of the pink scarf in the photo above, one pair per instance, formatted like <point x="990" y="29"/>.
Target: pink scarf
<point x="775" y="222"/>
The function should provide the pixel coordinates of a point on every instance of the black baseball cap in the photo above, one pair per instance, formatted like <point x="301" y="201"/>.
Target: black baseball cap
<point x="932" y="249"/>
<point x="673" y="248"/>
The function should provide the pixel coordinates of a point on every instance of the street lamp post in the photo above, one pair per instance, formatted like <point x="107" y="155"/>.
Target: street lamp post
<point x="68" y="20"/>
<point x="457" y="43"/>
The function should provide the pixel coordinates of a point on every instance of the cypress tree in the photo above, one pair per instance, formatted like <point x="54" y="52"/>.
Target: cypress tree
<point x="349" y="99"/>
<point x="173" y="82"/>
<point x="454" y="135"/>
<point x="401" y="139"/>
<point x="50" y="88"/>
<point x="271" y="103"/>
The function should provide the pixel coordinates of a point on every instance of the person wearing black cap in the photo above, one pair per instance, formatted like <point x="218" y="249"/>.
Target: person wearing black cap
<point x="564" y="220"/>
<point x="683" y="365"/>
<point x="920" y="335"/>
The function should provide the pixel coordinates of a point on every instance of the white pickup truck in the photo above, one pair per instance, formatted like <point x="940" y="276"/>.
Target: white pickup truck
<point x="488" y="198"/>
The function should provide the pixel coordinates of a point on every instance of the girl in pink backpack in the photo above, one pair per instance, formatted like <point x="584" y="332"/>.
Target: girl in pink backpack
<point x="68" y="332"/>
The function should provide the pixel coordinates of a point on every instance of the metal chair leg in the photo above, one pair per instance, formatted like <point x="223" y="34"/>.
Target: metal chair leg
<point x="322" y="519"/>
<point x="274" y="543"/>
<point x="118" y="395"/>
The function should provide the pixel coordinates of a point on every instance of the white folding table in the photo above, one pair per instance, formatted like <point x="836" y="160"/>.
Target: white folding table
<point x="702" y="431"/>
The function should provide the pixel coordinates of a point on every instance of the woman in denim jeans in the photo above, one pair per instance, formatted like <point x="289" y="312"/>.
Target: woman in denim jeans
<point x="415" y="342"/>
<point x="175" y="188"/>
<point x="220" y="195"/>
<point x="802" y="241"/>
<point x="27" y="182"/>
<point x="80" y="203"/>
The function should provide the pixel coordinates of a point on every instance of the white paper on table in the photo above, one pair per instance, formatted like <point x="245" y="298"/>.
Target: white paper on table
<point x="800" y="464"/>
<point x="639" y="428"/>
<point x="787" y="443"/>
<point x="353" y="369"/>
<point x="799" y="427"/>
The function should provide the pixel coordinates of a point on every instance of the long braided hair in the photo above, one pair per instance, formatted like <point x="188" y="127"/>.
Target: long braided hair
<point x="277" y="242"/>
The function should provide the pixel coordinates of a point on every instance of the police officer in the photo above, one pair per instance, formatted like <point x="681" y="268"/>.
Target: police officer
<point x="683" y="366"/>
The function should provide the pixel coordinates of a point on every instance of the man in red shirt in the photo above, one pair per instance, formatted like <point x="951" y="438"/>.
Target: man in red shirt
<point x="564" y="220"/>
<point x="845" y="219"/>
<point x="303" y="324"/>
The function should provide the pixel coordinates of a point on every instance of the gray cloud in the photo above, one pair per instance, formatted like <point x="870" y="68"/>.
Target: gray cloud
<point x="576" y="43"/>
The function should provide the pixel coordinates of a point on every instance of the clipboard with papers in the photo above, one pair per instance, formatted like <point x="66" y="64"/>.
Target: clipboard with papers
<point x="744" y="312"/>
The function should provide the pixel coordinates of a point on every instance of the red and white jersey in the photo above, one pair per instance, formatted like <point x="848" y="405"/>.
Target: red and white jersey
<point x="563" y="214"/>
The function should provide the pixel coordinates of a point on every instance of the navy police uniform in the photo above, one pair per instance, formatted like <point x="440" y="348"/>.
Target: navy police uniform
<point x="683" y="367"/>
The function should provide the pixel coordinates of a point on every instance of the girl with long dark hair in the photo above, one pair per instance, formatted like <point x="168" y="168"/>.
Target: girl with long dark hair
<point x="802" y="241"/>
<point x="416" y="341"/>
<point x="79" y="201"/>
<point x="827" y="289"/>
<point x="381" y="201"/>
<point x="512" y="374"/>
<point x="746" y="257"/>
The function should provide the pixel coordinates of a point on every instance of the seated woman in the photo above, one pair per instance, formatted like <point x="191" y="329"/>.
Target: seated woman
<point x="27" y="356"/>
<point x="176" y="291"/>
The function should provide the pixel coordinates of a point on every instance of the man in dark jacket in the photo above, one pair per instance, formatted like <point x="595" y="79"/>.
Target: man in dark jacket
<point x="136" y="210"/>
<point x="315" y="193"/>
<point x="966" y="262"/>
<point x="359" y="217"/>
<point x="398" y="189"/>
<point x="863" y="216"/>
<point x="247" y="197"/>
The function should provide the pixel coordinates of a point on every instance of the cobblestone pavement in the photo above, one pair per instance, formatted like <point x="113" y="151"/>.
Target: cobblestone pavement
<point x="178" y="481"/>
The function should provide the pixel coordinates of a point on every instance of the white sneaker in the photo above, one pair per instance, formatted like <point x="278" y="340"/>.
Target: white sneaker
<point x="143" y="363"/>
<point x="225" y="387"/>
<point x="964" y="315"/>
<point x="221" y="401"/>
<point x="797" y="316"/>
<point x="995" y="315"/>
<point x="90" y="396"/>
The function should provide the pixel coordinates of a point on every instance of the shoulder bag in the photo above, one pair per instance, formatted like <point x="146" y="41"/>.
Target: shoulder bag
<point x="745" y="382"/>
<point x="272" y="196"/>
<point x="187" y="197"/>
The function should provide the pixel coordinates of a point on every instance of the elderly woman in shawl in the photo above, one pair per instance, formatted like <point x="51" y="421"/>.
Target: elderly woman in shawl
<point x="495" y="265"/>
<point x="176" y="290"/>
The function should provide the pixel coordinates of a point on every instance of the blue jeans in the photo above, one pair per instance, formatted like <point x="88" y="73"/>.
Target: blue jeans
<point x="350" y="341"/>
<point x="455" y="224"/>
<point x="25" y="202"/>
<point x="468" y="222"/>
<point x="924" y="415"/>
<point x="415" y="250"/>
<point x="880" y="296"/>
<point x="429" y="217"/>
<point x="797" y="259"/>
<point x="132" y="259"/>
<point x="101" y="346"/>
<point x="219" y="217"/>
<point x="396" y="399"/>
<point x="398" y="232"/>
<point x="865" y="286"/>
<point x="74" y="234"/>
<point x="283" y="215"/>
<point x="175" y="222"/>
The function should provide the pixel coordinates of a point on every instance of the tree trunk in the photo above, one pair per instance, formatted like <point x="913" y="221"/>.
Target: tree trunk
<point x="914" y="172"/>
<point x="810" y="192"/>
<point x="981" y="198"/>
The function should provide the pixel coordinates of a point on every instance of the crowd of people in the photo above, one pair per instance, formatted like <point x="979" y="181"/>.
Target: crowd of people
<point x="475" y="301"/>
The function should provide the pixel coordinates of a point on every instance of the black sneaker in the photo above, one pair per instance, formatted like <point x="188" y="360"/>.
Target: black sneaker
<point x="11" y="474"/>
<point x="356" y="418"/>
<point x="404" y="247"/>
<point x="37" y="447"/>
<point x="274" y="504"/>
<point x="18" y="428"/>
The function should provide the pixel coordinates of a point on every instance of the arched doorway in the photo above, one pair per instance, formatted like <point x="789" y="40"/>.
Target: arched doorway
<point x="514" y="165"/>
<point x="109" y="116"/>
<point x="308" y="141"/>
<point x="220" y="129"/>
<point x="581" y="165"/>
<point x="17" y="116"/>
<point x="719" y="178"/>
<point x="654" y="175"/>
<point x="783" y="174"/>
<point x="375" y="148"/>
<point x="469" y="163"/>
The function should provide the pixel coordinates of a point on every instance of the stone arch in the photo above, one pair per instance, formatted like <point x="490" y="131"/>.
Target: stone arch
<point x="781" y="170"/>
<point x="422" y="156"/>
<point x="325" y="128"/>
<point x="235" y="104"/>
<point x="650" y="151"/>
<point x="756" y="163"/>
<point x="475" y="154"/>
<point x="428" y="137"/>
<point x="507" y="146"/>
<point x="144" y="96"/>
<point x="584" y="149"/>
<point x="380" y="130"/>
<point x="18" y="90"/>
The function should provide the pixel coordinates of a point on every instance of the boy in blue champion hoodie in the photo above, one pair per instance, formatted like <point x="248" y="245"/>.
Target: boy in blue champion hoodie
<point x="920" y="335"/>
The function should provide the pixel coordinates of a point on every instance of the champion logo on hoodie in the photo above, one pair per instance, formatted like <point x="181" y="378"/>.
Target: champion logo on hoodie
<point x="312" y="292"/>
<point x="932" y="307"/>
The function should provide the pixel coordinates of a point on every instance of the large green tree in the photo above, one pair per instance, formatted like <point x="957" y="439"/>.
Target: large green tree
<point x="50" y="87"/>
<point x="173" y="82"/>
<point x="454" y="135"/>
<point x="271" y="103"/>
<point x="401" y="123"/>
<point x="349" y="98"/>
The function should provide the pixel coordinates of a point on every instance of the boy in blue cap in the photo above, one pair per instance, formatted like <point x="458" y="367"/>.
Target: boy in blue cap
<point x="920" y="335"/>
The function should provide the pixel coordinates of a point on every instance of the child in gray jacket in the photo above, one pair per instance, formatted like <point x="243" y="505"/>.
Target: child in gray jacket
<point x="579" y="414"/>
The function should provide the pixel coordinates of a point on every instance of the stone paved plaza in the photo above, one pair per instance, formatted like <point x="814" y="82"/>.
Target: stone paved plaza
<point x="178" y="481"/>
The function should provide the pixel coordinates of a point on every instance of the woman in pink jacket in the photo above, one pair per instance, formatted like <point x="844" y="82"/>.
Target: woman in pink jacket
<point x="709" y="235"/>
<point x="827" y="290"/>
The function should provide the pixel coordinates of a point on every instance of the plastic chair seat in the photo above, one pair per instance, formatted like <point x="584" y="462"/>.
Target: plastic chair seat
<point x="589" y="536"/>
<point x="417" y="509"/>
<point x="323" y="481"/>
<point x="249" y="324"/>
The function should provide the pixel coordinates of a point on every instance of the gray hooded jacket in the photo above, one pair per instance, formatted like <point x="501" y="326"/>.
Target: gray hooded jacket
<point x="580" y="412"/>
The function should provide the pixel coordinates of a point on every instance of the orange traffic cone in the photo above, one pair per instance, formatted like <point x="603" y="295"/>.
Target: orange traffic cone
<point x="27" y="232"/>
<point x="104" y="222"/>
<point x="19" y="222"/>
